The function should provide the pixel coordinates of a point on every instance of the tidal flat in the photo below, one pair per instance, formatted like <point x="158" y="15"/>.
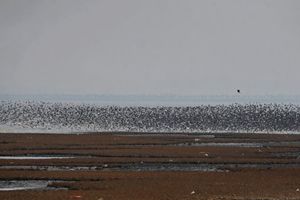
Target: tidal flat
<point x="149" y="166"/>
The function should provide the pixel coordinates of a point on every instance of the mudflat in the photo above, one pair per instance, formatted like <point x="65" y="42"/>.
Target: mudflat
<point x="104" y="166"/>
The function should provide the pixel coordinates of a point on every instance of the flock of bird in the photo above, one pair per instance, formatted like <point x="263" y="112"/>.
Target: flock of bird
<point x="204" y="118"/>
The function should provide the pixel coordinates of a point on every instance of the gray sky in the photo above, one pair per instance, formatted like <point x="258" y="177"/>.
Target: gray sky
<point x="183" y="47"/>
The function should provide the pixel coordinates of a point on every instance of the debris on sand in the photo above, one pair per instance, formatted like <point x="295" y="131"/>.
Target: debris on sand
<point x="76" y="196"/>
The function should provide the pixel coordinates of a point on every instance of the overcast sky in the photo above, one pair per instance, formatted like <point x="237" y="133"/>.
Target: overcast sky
<point x="182" y="47"/>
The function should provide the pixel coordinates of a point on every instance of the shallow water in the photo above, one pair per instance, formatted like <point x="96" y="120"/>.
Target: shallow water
<point x="197" y="167"/>
<point x="13" y="185"/>
<point x="239" y="144"/>
<point x="160" y="167"/>
<point x="33" y="157"/>
<point x="222" y="144"/>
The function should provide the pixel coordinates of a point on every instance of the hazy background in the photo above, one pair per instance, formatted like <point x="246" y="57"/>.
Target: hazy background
<point x="182" y="47"/>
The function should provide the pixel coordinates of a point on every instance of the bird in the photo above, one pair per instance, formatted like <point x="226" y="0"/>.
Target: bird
<point x="238" y="91"/>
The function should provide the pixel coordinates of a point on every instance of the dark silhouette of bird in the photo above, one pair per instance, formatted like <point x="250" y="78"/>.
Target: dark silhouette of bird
<point x="238" y="91"/>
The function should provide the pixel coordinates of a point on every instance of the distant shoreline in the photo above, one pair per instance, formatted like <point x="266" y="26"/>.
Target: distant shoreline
<point x="133" y="133"/>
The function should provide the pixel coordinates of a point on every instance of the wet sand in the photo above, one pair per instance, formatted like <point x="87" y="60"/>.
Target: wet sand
<point x="152" y="166"/>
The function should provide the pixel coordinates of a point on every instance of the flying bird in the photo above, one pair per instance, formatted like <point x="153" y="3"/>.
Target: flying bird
<point x="238" y="91"/>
